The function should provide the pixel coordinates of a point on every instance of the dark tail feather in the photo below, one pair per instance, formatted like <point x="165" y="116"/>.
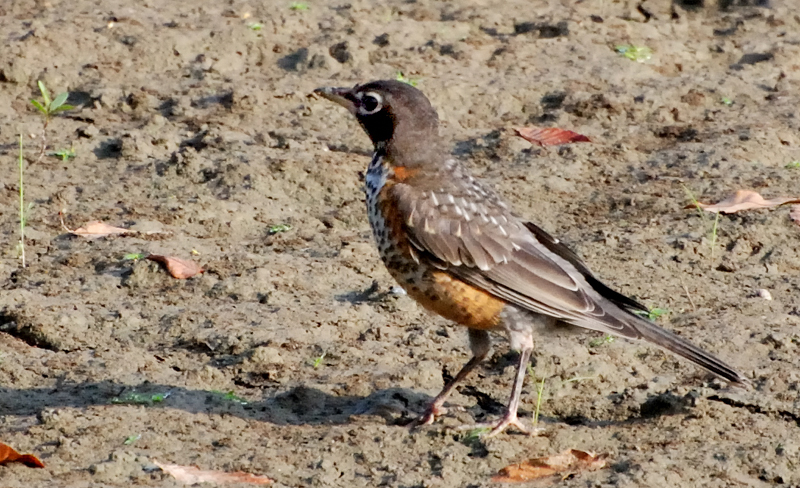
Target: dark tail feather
<point x="671" y="342"/>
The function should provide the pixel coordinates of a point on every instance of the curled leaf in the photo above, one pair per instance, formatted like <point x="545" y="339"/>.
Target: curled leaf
<point x="177" y="267"/>
<point x="191" y="475"/>
<point x="10" y="455"/>
<point x="549" y="136"/>
<point x="743" y="200"/>
<point x="562" y="464"/>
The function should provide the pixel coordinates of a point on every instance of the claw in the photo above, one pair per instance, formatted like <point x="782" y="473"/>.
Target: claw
<point x="431" y="413"/>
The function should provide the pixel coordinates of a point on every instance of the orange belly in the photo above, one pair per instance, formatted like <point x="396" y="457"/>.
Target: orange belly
<point x="455" y="300"/>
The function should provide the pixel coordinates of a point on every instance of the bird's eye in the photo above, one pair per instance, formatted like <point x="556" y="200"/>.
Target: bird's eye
<point x="370" y="103"/>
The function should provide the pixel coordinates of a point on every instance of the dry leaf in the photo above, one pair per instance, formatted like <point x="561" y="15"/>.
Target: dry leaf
<point x="94" y="229"/>
<point x="549" y="136"/>
<point x="192" y="474"/>
<point x="794" y="214"/>
<point x="743" y="200"/>
<point x="177" y="267"/>
<point x="563" y="464"/>
<point x="10" y="455"/>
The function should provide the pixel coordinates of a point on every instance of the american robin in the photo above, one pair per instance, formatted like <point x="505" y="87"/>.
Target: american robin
<point x="459" y="250"/>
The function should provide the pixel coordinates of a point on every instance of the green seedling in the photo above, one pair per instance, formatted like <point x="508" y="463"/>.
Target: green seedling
<point x="230" y="396"/>
<point x="22" y="217"/>
<point x="654" y="313"/>
<point x="48" y="108"/>
<point x="318" y="361"/>
<point x="726" y="101"/>
<point x="640" y="54"/>
<point x="793" y="165"/>
<point x="134" y="398"/>
<point x="64" y="154"/>
<point x="599" y="341"/>
<point x="131" y="439"/>
<point x="298" y="6"/>
<point x="539" y="395"/>
<point x="278" y="228"/>
<point x="474" y="435"/>
<point x="134" y="256"/>
<point x="255" y="26"/>
<point x="409" y="81"/>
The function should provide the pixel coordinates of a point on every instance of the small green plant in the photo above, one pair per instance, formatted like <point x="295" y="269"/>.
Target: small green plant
<point x="278" y="228"/>
<point x="131" y="439"/>
<point x="654" y="313"/>
<point x="298" y="6"/>
<point x="134" y="256"/>
<point x="255" y="26"/>
<point x="134" y="398"/>
<point x="64" y="154"/>
<point x="49" y="107"/>
<point x="726" y="101"/>
<point x="409" y="81"/>
<point x="539" y="395"/>
<point x="599" y="341"/>
<point x="318" y="360"/>
<point x="230" y="397"/>
<point x="640" y="54"/>
<point x="474" y="435"/>
<point x="793" y="165"/>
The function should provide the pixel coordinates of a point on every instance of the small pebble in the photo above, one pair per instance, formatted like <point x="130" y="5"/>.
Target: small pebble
<point x="765" y="294"/>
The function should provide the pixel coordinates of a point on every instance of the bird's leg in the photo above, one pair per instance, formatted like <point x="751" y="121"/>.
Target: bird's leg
<point x="480" y="344"/>
<point x="510" y="418"/>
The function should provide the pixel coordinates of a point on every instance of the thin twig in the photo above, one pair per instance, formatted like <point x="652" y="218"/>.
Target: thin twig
<point x="44" y="140"/>
<point x="21" y="203"/>
<point x="688" y="295"/>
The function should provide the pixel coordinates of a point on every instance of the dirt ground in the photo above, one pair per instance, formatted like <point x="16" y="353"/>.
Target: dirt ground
<point x="292" y="356"/>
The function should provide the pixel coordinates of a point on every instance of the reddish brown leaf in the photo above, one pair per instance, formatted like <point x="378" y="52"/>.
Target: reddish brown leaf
<point x="565" y="463"/>
<point x="794" y="214"/>
<point x="743" y="200"/>
<point x="549" y="136"/>
<point x="10" y="455"/>
<point x="177" y="267"/>
<point x="192" y="474"/>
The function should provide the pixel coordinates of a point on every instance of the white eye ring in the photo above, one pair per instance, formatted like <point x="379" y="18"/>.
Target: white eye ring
<point x="371" y="103"/>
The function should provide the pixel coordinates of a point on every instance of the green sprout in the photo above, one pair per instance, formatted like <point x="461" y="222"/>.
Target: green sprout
<point x="654" y="313"/>
<point x="793" y="165"/>
<point x="64" y="154"/>
<point x="255" y="26"/>
<point x="599" y="341"/>
<point x="134" y="256"/>
<point x="131" y="439"/>
<point x="134" y="398"/>
<point x="22" y="217"/>
<point x="230" y="396"/>
<point x="298" y="6"/>
<point x="278" y="228"/>
<point x="50" y="107"/>
<point x="640" y="54"/>
<point x="409" y="81"/>
<point x="726" y="101"/>
<point x="539" y="395"/>
<point x="474" y="435"/>
<point x="318" y="360"/>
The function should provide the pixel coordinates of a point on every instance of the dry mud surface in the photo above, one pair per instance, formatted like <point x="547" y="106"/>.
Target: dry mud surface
<point x="200" y="131"/>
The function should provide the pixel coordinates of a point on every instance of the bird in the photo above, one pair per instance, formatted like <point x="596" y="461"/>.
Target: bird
<point x="457" y="248"/>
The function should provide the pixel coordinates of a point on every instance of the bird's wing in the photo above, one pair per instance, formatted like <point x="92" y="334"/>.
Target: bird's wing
<point x="473" y="235"/>
<point x="469" y="231"/>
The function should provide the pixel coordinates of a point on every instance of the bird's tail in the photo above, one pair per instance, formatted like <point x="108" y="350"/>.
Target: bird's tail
<point x="654" y="334"/>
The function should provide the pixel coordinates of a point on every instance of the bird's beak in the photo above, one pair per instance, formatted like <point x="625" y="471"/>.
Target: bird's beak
<point x="338" y="95"/>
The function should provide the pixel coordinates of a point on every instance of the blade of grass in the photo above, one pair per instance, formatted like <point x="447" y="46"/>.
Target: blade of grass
<point x="21" y="204"/>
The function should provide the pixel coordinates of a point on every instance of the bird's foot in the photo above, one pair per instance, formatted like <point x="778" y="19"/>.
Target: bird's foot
<point x="508" y="420"/>
<point x="431" y="413"/>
